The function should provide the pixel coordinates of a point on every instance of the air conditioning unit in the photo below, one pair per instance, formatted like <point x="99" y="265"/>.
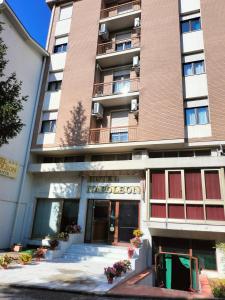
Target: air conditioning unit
<point x="134" y="105"/>
<point x="103" y="32"/>
<point x="136" y="62"/>
<point x="137" y="22"/>
<point x="97" y="110"/>
<point x="140" y="154"/>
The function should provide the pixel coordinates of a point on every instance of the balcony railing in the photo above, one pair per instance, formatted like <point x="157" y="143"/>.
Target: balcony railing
<point x="120" y="9"/>
<point x="119" y="45"/>
<point x="113" y="135"/>
<point x="118" y="87"/>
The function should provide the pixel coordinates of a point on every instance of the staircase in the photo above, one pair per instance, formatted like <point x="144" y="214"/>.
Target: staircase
<point x="103" y="254"/>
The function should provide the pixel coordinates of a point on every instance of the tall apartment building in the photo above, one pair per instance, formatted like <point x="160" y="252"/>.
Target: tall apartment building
<point x="130" y="127"/>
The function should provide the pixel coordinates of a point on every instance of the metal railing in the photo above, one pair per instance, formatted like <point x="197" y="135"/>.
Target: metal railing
<point x="113" y="135"/>
<point x="119" y="45"/>
<point x="120" y="9"/>
<point x="118" y="87"/>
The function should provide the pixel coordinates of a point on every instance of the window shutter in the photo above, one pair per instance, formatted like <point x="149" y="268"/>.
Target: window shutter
<point x="158" y="190"/>
<point x="123" y="36"/>
<point x="212" y="184"/>
<point x="193" y="185"/>
<point x="49" y="116"/>
<point x="66" y="12"/>
<point x="119" y="119"/>
<point x="175" y="189"/>
<point x="61" y="40"/>
<point x="55" y="76"/>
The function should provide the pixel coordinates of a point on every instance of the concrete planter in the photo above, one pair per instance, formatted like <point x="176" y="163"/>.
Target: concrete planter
<point x="75" y="238"/>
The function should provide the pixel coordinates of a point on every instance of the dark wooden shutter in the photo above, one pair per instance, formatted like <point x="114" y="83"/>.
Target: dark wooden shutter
<point x="193" y="185"/>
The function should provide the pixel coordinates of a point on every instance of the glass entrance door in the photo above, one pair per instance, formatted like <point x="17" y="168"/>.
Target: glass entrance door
<point x="128" y="220"/>
<point x="101" y="221"/>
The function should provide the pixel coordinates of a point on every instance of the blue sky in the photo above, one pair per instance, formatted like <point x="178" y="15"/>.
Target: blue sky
<point x="34" y="15"/>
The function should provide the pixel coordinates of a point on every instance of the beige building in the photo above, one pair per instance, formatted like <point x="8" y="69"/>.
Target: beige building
<point x="130" y="127"/>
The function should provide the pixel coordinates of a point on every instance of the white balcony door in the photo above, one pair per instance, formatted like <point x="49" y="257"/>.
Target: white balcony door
<point x="123" y="41"/>
<point x="121" y="83"/>
<point x="119" y="126"/>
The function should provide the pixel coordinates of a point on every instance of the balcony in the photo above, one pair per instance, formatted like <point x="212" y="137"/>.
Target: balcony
<point x="118" y="52"/>
<point x="113" y="135"/>
<point x="124" y="15"/>
<point x="118" y="92"/>
<point x="120" y="9"/>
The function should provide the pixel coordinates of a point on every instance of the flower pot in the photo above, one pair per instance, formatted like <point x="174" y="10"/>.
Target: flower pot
<point x="17" y="248"/>
<point x="130" y="253"/>
<point x="110" y="280"/>
<point x="4" y="266"/>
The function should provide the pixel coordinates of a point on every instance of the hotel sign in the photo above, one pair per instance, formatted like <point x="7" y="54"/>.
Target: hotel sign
<point x="109" y="189"/>
<point x="8" y="167"/>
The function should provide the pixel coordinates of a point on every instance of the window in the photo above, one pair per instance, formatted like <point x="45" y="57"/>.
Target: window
<point x="215" y="213"/>
<point x="176" y="211"/>
<point x="60" y="48"/>
<point x="123" y="41"/>
<point x="53" y="216"/>
<point x="212" y="185"/>
<point x="61" y="44"/>
<point x="65" y="12"/>
<point x="194" y="68"/>
<point x="124" y="8"/>
<point x="193" y="185"/>
<point x="158" y="210"/>
<point x="195" y="212"/>
<point x="175" y="187"/>
<point x="190" y="25"/>
<point x="118" y="132"/>
<point x="121" y="81"/>
<point x="158" y="188"/>
<point x="48" y="126"/>
<point x="54" y="86"/>
<point x="197" y="116"/>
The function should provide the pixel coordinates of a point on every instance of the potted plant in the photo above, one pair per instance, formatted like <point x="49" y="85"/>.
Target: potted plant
<point x="40" y="253"/>
<point x="127" y="265"/>
<point x="17" y="247"/>
<point x="119" y="267"/>
<point x="110" y="273"/>
<point x="138" y="233"/>
<point x="25" y="258"/>
<point x="136" y="242"/>
<point x="73" y="228"/>
<point x="130" y="252"/>
<point x="5" y="261"/>
<point x="64" y="236"/>
<point x="53" y="244"/>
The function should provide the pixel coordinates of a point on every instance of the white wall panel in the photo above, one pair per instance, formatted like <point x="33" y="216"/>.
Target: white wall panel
<point x="192" y="41"/>
<point x="195" y="86"/>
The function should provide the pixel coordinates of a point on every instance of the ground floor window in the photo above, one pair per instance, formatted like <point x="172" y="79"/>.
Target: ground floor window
<point x="53" y="216"/>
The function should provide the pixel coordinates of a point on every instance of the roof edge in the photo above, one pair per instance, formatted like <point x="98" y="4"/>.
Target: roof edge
<point x="4" y="6"/>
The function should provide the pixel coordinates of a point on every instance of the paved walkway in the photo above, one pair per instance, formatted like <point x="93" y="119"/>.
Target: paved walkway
<point x="85" y="276"/>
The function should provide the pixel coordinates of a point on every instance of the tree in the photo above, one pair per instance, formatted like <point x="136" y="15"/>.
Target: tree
<point x="11" y="101"/>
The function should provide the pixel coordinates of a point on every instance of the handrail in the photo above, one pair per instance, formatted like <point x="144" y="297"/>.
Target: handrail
<point x="115" y="81"/>
<point x="105" y="135"/>
<point x="114" y="88"/>
<point x="111" y="46"/>
<point x="115" y="7"/>
<point x="112" y="128"/>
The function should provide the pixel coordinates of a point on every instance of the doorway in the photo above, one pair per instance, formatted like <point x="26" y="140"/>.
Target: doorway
<point x="111" y="222"/>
